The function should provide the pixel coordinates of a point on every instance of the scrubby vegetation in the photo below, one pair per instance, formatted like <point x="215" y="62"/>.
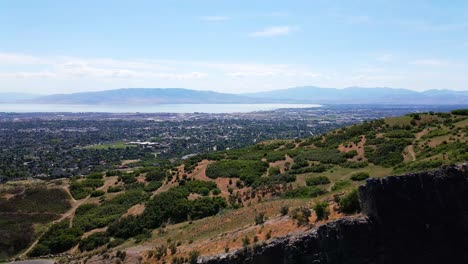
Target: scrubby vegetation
<point x="28" y="207"/>
<point x="298" y="176"/>
<point x="247" y="170"/>
<point x="317" y="180"/>
<point x="59" y="238"/>
<point x="359" y="176"/>
<point x="173" y="206"/>
<point x="349" y="203"/>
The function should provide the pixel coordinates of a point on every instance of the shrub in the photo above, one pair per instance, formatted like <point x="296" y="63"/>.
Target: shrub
<point x="302" y="215"/>
<point x="260" y="218"/>
<point x="193" y="257"/>
<point x="305" y="192"/>
<point x="115" y="242"/>
<point x="284" y="210"/>
<point x="317" y="180"/>
<point x="274" y="171"/>
<point x="245" y="241"/>
<point x="340" y="185"/>
<point x="321" y="210"/>
<point x="94" y="175"/>
<point x="114" y="189"/>
<point x="360" y="176"/>
<point x="152" y="186"/>
<point x="155" y="175"/>
<point x="354" y="165"/>
<point x="349" y="204"/>
<point x="246" y="170"/>
<point x="97" y="193"/>
<point x="93" y="241"/>
<point x="350" y="154"/>
<point x="216" y="191"/>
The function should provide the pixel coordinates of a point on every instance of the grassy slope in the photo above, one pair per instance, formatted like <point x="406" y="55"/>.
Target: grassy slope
<point x="434" y="140"/>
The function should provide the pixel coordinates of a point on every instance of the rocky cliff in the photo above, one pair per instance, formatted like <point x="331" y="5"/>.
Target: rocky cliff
<point x="415" y="218"/>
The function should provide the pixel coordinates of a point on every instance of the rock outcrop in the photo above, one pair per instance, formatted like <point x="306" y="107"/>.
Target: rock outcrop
<point x="415" y="218"/>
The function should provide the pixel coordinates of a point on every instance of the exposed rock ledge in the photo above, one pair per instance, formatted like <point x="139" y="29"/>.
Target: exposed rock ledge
<point x="415" y="218"/>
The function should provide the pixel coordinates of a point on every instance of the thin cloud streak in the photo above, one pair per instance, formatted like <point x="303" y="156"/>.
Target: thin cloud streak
<point x="273" y="31"/>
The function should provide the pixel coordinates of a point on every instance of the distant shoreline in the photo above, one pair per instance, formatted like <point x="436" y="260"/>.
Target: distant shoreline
<point x="150" y="108"/>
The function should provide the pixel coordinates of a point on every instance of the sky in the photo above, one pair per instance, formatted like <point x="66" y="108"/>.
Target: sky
<point x="232" y="46"/>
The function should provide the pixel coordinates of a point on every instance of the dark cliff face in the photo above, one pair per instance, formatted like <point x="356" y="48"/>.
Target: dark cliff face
<point x="416" y="218"/>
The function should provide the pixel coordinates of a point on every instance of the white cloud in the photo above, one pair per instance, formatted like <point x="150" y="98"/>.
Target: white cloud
<point x="430" y="62"/>
<point x="66" y="68"/>
<point x="385" y="57"/>
<point x="15" y="58"/>
<point x="215" y="18"/>
<point x="273" y="31"/>
<point x="28" y="75"/>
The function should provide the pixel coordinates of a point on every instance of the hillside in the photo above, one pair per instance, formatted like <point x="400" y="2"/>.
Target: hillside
<point x="226" y="200"/>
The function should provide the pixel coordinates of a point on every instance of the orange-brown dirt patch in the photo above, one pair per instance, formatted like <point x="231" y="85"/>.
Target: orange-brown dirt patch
<point x="408" y="154"/>
<point x="199" y="173"/>
<point x="359" y="148"/>
<point x="135" y="210"/>
<point x="97" y="230"/>
<point x="282" y="164"/>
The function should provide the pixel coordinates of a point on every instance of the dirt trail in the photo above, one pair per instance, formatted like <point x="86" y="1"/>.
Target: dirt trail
<point x="71" y="212"/>
<point x="359" y="148"/>
<point x="411" y="152"/>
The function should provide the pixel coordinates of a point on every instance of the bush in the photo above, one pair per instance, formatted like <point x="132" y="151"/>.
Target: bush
<point x="97" y="193"/>
<point x="94" y="175"/>
<point x="354" y="165"/>
<point x="305" y="192"/>
<point x="246" y="170"/>
<point x="93" y="241"/>
<point x="318" y="180"/>
<point x="156" y="175"/>
<point x="349" y="204"/>
<point x="321" y="211"/>
<point x="115" y="242"/>
<point x="284" y="210"/>
<point x="216" y="191"/>
<point x="360" y="176"/>
<point x="152" y="186"/>
<point x="114" y="189"/>
<point x="302" y="215"/>
<point x="274" y="171"/>
<point x="193" y="257"/>
<point x="260" y="218"/>
<point x="350" y="154"/>
<point x="340" y="185"/>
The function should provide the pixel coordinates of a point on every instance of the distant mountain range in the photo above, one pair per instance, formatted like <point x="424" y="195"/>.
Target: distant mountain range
<point x="308" y="94"/>
<point x="360" y="95"/>
<point x="148" y="96"/>
<point x="14" y="97"/>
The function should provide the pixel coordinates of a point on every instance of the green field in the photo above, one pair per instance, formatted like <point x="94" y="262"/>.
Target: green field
<point x="115" y="145"/>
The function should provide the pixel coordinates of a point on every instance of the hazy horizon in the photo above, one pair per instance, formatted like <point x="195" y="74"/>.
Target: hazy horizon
<point x="50" y="47"/>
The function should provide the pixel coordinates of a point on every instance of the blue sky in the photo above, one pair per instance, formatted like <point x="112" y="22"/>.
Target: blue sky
<point x="232" y="46"/>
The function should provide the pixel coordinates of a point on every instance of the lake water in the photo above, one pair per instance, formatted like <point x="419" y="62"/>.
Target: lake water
<point x="162" y="108"/>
